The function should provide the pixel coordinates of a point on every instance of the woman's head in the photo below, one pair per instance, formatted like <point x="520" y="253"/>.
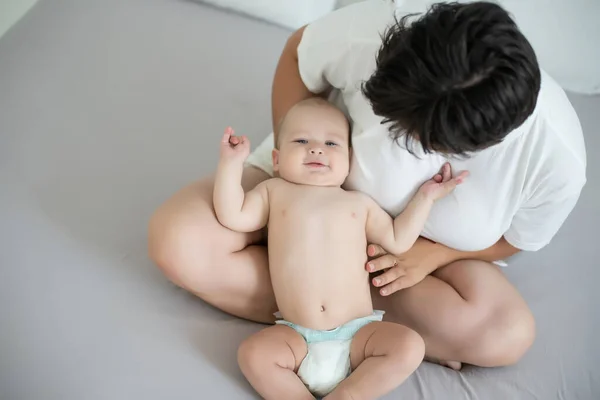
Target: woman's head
<point x="458" y="79"/>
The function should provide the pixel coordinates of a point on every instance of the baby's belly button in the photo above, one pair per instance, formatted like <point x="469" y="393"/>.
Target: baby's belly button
<point x="341" y="305"/>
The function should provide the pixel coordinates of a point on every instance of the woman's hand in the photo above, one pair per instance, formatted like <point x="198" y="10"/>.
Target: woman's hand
<point x="407" y="269"/>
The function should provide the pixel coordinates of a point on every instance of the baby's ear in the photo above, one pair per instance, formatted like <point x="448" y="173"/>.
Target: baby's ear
<point x="275" y="160"/>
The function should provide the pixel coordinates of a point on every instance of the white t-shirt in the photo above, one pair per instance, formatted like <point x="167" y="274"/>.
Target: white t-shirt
<point x="523" y="188"/>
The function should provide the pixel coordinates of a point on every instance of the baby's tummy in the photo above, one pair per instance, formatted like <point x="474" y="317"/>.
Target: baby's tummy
<point x="319" y="285"/>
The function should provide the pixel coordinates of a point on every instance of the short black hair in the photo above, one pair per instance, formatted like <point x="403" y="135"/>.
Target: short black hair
<point x="458" y="79"/>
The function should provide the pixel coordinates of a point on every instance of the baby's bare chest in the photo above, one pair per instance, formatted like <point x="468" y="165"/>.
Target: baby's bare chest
<point x="320" y="206"/>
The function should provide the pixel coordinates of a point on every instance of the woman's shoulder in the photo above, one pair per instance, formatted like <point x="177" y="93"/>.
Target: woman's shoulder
<point x="550" y="150"/>
<point x="555" y="110"/>
<point x="555" y="136"/>
<point x="353" y="27"/>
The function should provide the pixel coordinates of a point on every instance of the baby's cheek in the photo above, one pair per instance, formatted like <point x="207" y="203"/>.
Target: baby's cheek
<point x="291" y="157"/>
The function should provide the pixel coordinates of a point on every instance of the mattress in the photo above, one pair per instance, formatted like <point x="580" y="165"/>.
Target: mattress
<point x="106" y="109"/>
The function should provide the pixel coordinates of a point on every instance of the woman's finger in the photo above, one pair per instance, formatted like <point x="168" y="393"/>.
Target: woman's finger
<point x="389" y="276"/>
<point x="374" y="250"/>
<point x="381" y="263"/>
<point x="402" y="282"/>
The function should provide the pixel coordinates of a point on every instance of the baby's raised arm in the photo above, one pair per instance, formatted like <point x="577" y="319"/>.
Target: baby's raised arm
<point x="236" y="210"/>
<point x="398" y="235"/>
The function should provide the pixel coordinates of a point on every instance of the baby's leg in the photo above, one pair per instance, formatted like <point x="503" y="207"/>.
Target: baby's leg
<point x="269" y="360"/>
<point x="382" y="355"/>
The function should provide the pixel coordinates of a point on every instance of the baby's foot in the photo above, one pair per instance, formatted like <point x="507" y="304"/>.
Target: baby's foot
<point x="455" y="365"/>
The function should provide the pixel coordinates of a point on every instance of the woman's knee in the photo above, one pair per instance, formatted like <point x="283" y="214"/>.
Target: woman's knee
<point x="503" y="338"/>
<point x="185" y="238"/>
<point x="170" y="245"/>
<point x="497" y="325"/>
<point x="515" y="338"/>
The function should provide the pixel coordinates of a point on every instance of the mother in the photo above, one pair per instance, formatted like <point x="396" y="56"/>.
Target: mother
<point x="460" y="83"/>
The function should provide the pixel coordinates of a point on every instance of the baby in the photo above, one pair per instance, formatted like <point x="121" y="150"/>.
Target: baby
<point x="330" y="342"/>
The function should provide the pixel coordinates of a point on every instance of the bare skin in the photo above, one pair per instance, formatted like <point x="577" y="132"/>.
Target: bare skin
<point x="317" y="236"/>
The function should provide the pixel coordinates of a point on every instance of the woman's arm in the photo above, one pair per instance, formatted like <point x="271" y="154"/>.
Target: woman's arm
<point x="408" y="269"/>
<point x="428" y="256"/>
<point x="288" y="88"/>
<point x="444" y="255"/>
<point x="328" y="53"/>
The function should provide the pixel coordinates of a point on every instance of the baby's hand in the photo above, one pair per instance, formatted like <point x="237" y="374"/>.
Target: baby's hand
<point x="234" y="147"/>
<point x="442" y="183"/>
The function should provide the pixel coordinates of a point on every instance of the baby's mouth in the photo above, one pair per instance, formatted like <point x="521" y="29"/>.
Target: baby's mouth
<point x="315" y="164"/>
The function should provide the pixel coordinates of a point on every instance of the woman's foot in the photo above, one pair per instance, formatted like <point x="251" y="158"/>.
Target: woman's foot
<point x="455" y="365"/>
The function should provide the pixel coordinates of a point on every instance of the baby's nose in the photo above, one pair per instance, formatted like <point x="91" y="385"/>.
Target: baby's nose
<point x="316" y="150"/>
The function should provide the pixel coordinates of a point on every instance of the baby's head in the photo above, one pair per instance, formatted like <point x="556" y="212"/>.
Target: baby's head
<point x="313" y="145"/>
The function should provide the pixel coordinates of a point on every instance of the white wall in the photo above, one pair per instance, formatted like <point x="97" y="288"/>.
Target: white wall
<point x="11" y="12"/>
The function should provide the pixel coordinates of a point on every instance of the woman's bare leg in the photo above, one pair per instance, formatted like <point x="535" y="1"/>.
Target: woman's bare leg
<point x="270" y="360"/>
<point x="382" y="355"/>
<point x="226" y="269"/>
<point x="467" y="312"/>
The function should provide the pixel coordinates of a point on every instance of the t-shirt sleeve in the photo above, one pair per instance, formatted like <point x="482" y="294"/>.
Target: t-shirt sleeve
<point x="541" y="216"/>
<point x="327" y="50"/>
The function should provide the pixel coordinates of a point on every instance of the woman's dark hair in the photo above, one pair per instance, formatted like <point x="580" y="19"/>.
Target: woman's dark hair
<point x="458" y="79"/>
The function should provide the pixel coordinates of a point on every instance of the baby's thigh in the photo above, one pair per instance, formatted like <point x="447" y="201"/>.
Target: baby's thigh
<point x="278" y="345"/>
<point x="394" y="341"/>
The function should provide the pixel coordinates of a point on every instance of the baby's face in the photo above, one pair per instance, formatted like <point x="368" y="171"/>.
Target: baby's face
<point x="313" y="146"/>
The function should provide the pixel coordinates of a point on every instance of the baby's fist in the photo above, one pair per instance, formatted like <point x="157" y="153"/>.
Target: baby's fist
<point x="234" y="147"/>
<point x="442" y="183"/>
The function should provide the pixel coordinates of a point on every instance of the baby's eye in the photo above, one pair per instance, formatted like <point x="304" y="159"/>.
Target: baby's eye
<point x="330" y="144"/>
<point x="301" y="141"/>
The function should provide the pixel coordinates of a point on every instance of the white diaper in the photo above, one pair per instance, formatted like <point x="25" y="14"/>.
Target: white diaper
<point x="325" y="366"/>
<point x="327" y="362"/>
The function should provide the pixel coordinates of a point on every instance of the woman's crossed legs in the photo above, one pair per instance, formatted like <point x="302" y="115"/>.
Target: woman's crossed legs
<point x="467" y="311"/>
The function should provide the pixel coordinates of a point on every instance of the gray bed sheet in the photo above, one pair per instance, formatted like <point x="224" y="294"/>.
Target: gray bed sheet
<point x="108" y="107"/>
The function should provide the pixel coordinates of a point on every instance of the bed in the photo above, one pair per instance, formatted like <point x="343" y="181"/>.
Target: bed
<point x="108" y="107"/>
